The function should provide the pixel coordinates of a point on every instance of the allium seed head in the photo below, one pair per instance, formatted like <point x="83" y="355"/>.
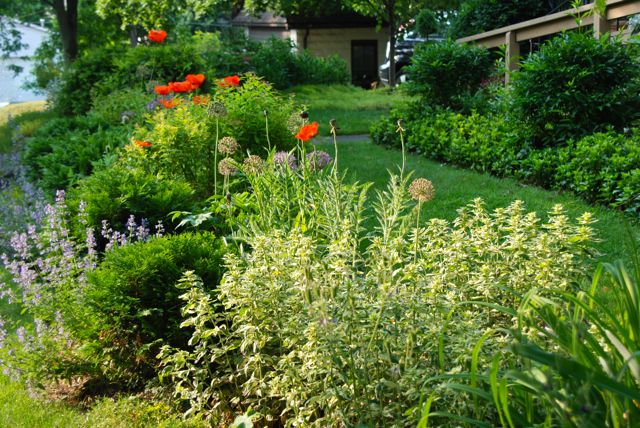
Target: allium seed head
<point x="286" y="158"/>
<point x="294" y="123"/>
<point x="228" y="146"/>
<point x="422" y="190"/>
<point x="252" y="164"/>
<point x="318" y="160"/>
<point x="226" y="167"/>
<point x="217" y="109"/>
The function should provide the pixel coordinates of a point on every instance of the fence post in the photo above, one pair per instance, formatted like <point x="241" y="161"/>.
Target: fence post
<point x="600" y="23"/>
<point x="512" y="55"/>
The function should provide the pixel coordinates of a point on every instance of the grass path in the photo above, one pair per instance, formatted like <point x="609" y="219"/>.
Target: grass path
<point x="457" y="187"/>
<point x="354" y="109"/>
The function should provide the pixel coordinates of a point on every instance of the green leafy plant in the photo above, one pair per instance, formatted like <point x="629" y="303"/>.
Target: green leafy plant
<point x="444" y="73"/>
<point x="576" y="85"/>
<point x="114" y="193"/>
<point x="573" y="360"/>
<point x="328" y="322"/>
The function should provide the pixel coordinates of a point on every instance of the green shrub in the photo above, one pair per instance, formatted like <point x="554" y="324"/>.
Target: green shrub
<point x="444" y="73"/>
<point x="309" y="69"/>
<point x="116" y="192"/>
<point x="276" y="61"/>
<point x="122" y="107"/>
<point x="604" y="168"/>
<point x="576" y="85"/>
<point x="481" y="143"/>
<point x="71" y="96"/>
<point x="64" y="150"/>
<point x="143" y="67"/>
<point x="134" y="300"/>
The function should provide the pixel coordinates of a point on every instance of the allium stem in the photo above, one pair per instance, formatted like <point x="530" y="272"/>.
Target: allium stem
<point x="415" y="244"/>
<point x="334" y="169"/>
<point x="266" y="123"/>
<point x="215" y="160"/>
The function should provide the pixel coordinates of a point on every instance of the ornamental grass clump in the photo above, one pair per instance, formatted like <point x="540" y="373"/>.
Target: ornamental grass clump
<point x="329" y="323"/>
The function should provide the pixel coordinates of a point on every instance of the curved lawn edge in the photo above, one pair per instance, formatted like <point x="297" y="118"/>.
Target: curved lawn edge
<point x="456" y="187"/>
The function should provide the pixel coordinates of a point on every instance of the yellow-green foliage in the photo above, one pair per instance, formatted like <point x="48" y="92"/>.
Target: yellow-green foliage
<point x="345" y="330"/>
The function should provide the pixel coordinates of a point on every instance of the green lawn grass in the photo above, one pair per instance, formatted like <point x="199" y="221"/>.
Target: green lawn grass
<point x="354" y="109"/>
<point x="366" y="162"/>
<point x="29" y="116"/>
<point x="19" y="409"/>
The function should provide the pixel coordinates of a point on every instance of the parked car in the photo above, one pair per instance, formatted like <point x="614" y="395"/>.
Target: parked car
<point x="404" y="52"/>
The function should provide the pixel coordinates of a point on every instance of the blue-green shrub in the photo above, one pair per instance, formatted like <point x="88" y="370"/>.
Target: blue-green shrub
<point x="134" y="301"/>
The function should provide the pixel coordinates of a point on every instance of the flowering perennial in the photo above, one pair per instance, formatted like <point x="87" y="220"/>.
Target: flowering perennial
<point x="307" y="132"/>
<point x="157" y="36"/>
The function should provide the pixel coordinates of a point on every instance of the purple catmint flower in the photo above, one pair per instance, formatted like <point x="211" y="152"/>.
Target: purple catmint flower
<point x="20" y="333"/>
<point x="152" y="105"/>
<point x="159" y="229"/>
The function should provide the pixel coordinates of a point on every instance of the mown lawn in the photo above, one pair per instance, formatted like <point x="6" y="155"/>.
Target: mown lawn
<point x="29" y="116"/>
<point x="367" y="162"/>
<point x="19" y="409"/>
<point x="354" y="109"/>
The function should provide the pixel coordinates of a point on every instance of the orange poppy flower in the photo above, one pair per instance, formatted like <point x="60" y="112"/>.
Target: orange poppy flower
<point x="181" y="86"/>
<point x="169" y="103"/>
<point x="162" y="89"/>
<point x="195" y="79"/>
<point x="157" y="36"/>
<point x="230" y="81"/>
<point x="140" y="143"/>
<point x="200" y="101"/>
<point x="307" y="132"/>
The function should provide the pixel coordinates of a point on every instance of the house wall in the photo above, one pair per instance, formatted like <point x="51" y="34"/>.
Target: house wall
<point x="262" y="34"/>
<point x="329" y="41"/>
<point x="11" y="86"/>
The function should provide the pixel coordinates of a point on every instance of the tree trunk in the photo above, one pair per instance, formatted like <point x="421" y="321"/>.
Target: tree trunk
<point x="392" y="48"/>
<point x="68" y="22"/>
<point x="133" y="35"/>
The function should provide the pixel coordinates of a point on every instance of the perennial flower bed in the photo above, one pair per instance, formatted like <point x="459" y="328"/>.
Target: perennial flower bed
<point x="220" y="256"/>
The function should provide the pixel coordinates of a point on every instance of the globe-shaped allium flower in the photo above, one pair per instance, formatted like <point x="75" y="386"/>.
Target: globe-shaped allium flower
<point x="226" y="167"/>
<point x="217" y="109"/>
<point x="228" y="146"/>
<point x="422" y="190"/>
<point x="252" y="164"/>
<point x="318" y="160"/>
<point x="286" y="158"/>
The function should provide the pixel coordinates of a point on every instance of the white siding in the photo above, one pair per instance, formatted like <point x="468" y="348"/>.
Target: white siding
<point x="11" y="86"/>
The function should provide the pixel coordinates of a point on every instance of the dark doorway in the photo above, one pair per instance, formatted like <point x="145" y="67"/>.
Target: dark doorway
<point x="364" y="62"/>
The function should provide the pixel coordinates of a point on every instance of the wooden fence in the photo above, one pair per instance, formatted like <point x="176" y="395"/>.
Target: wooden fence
<point x="617" y="11"/>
